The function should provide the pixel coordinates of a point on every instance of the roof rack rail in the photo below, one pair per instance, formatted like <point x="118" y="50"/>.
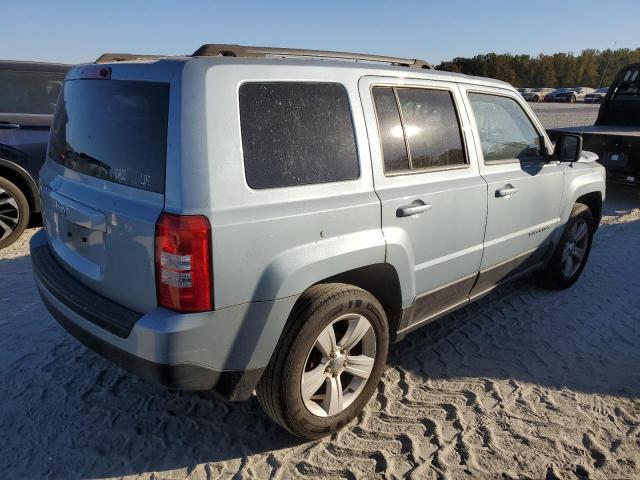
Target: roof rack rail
<point x="124" y="57"/>
<point x="229" y="50"/>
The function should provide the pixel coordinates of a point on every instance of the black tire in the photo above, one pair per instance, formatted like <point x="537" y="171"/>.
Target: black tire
<point x="572" y="99"/>
<point x="536" y="99"/>
<point x="553" y="276"/>
<point x="280" y="391"/>
<point x="14" y="213"/>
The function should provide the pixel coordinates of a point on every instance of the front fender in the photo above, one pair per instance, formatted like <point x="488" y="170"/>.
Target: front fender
<point x="580" y="179"/>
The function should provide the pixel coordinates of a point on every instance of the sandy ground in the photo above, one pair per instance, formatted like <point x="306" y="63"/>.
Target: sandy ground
<point x="526" y="383"/>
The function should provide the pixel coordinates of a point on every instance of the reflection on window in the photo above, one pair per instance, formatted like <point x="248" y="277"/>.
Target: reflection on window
<point x="29" y="92"/>
<point x="430" y="128"/>
<point x="506" y="133"/>
<point x="393" y="147"/>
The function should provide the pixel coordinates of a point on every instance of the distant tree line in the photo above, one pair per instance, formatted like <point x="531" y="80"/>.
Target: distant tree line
<point x="557" y="70"/>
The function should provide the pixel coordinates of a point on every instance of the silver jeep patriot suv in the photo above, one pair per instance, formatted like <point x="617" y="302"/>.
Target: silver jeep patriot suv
<point x="263" y="220"/>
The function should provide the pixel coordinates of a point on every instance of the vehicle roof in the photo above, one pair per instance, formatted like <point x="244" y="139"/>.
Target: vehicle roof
<point x="362" y="67"/>
<point x="26" y="66"/>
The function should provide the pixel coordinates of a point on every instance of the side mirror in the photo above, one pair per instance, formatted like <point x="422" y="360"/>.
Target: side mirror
<point x="568" y="148"/>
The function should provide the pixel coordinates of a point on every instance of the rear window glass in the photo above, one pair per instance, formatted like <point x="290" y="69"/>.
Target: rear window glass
<point x="113" y="129"/>
<point x="296" y="134"/>
<point x="29" y="92"/>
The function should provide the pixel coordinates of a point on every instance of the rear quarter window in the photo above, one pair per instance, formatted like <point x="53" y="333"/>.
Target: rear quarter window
<point x="296" y="133"/>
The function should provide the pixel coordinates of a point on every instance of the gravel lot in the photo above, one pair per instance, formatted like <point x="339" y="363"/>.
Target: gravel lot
<point x="558" y="115"/>
<point x="526" y="383"/>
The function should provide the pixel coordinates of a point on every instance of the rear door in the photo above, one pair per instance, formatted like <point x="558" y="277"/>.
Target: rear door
<point x="525" y="190"/>
<point x="433" y="198"/>
<point x="104" y="180"/>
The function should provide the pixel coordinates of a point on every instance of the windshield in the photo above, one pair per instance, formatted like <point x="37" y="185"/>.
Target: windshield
<point x="603" y="90"/>
<point x="113" y="129"/>
<point x="29" y="92"/>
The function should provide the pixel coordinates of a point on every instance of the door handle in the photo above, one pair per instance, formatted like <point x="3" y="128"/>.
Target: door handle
<point x="506" y="191"/>
<point x="8" y="126"/>
<point x="414" y="208"/>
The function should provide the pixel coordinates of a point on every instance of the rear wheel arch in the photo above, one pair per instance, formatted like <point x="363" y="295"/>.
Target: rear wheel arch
<point x="382" y="281"/>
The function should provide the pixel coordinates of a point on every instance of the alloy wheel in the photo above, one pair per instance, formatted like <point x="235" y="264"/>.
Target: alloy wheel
<point x="9" y="214"/>
<point x="336" y="371"/>
<point x="575" y="248"/>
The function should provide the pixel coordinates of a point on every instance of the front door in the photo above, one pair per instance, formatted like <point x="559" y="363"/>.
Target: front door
<point x="525" y="190"/>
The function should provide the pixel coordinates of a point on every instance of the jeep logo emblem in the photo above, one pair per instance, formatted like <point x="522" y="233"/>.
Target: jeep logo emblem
<point x="60" y="208"/>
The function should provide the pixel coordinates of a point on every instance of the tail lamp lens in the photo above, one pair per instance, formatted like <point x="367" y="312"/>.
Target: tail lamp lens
<point x="183" y="263"/>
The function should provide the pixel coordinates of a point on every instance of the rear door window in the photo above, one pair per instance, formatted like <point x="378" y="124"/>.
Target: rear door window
<point x="394" y="149"/>
<point x="29" y="92"/>
<point x="419" y="129"/>
<point x="296" y="133"/>
<point x="113" y="129"/>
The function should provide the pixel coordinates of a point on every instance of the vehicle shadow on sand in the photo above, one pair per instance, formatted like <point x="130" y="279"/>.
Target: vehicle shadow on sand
<point x="69" y="413"/>
<point x="584" y="338"/>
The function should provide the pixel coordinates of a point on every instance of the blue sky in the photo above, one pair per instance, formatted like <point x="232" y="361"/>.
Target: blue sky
<point x="78" y="31"/>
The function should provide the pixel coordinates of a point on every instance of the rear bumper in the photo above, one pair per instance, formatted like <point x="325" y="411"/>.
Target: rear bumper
<point x="232" y="385"/>
<point x="225" y="350"/>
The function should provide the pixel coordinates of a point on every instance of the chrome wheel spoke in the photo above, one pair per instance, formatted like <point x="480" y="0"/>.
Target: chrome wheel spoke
<point x="567" y="266"/>
<point x="581" y="232"/>
<point x="578" y="254"/>
<point x="5" y="229"/>
<point x="8" y="203"/>
<point x="326" y="341"/>
<point x="358" y="328"/>
<point x="9" y="214"/>
<point x="360" y="366"/>
<point x="313" y="380"/>
<point x="334" y="399"/>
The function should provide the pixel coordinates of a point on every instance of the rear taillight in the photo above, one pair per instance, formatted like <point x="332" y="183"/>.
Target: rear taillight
<point x="183" y="263"/>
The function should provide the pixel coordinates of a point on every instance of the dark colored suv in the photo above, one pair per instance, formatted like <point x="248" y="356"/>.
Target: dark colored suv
<point x="28" y="95"/>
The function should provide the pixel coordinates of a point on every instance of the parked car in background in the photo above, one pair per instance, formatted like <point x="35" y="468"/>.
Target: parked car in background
<point x="569" y="95"/>
<point x="522" y="91"/>
<point x="28" y="95"/>
<point x="615" y="136"/>
<point x="249" y="219"/>
<point x="597" y="96"/>
<point x="556" y="94"/>
<point x="536" y="94"/>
